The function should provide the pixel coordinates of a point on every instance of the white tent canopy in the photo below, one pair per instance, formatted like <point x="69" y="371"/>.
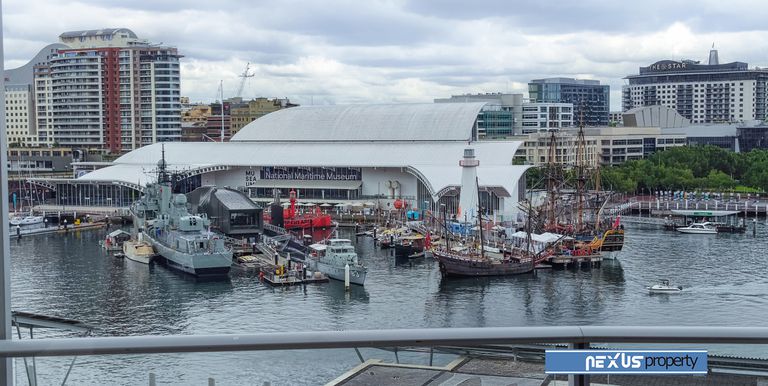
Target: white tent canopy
<point x="539" y="241"/>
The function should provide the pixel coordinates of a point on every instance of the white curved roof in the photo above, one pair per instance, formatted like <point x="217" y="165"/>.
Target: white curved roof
<point x="436" y="162"/>
<point x="366" y="154"/>
<point x="395" y="122"/>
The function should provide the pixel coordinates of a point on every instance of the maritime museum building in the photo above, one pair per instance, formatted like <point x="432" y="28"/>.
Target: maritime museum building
<point x="364" y="154"/>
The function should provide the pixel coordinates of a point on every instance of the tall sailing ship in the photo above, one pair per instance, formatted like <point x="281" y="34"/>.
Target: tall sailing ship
<point x="474" y="259"/>
<point x="583" y="217"/>
<point x="184" y="240"/>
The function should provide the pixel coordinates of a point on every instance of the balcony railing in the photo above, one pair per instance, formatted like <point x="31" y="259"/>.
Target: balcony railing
<point x="573" y="336"/>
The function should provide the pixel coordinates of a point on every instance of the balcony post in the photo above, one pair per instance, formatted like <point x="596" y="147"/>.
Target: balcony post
<point x="578" y="379"/>
<point x="6" y="364"/>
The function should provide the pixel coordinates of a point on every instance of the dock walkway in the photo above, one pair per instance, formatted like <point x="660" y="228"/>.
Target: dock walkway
<point x="55" y="229"/>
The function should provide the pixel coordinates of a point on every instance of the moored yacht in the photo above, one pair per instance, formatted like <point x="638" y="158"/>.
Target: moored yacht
<point x="26" y="220"/>
<point x="699" y="228"/>
<point x="332" y="257"/>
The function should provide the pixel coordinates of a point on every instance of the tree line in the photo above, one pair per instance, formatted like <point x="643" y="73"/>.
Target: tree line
<point x="685" y="168"/>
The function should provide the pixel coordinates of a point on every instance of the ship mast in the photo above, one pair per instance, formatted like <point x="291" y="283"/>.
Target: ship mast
<point x="599" y="206"/>
<point x="552" y="182"/>
<point x="162" y="173"/>
<point x="581" y="174"/>
<point x="445" y="226"/>
<point x="480" y="219"/>
<point x="528" y="230"/>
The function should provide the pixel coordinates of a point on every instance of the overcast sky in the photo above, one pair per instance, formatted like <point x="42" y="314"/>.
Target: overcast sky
<point x="367" y="51"/>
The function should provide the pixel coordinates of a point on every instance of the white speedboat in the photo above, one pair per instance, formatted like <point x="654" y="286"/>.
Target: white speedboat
<point x="664" y="288"/>
<point x="705" y="228"/>
<point x="26" y="220"/>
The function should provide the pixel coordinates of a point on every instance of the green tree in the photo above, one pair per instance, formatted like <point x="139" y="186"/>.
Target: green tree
<point x="718" y="180"/>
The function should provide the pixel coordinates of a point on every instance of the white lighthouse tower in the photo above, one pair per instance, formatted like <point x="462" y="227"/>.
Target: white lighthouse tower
<point x="468" y="196"/>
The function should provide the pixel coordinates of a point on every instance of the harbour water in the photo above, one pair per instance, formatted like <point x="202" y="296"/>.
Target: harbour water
<point x="725" y="278"/>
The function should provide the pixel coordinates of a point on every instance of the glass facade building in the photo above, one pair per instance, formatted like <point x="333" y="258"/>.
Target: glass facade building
<point x="590" y="99"/>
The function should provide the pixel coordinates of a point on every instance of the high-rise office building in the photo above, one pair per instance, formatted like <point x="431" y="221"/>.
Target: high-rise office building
<point x="108" y="89"/>
<point x="703" y="93"/>
<point x="590" y="99"/>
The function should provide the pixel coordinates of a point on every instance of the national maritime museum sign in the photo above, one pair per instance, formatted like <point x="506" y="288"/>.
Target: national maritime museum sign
<point x="303" y="174"/>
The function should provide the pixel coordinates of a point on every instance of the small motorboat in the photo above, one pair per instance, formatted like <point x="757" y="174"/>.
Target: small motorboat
<point x="664" y="288"/>
<point x="705" y="228"/>
<point x="139" y="251"/>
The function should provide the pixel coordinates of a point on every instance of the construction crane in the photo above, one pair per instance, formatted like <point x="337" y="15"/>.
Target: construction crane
<point x="245" y="75"/>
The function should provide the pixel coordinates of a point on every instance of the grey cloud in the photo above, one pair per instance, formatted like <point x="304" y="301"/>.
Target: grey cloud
<point x="371" y="48"/>
<point x="550" y="16"/>
<point x="346" y="22"/>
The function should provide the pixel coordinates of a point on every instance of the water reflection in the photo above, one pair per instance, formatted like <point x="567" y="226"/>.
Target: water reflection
<point x="356" y="294"/>
<point x="69" y="275"/>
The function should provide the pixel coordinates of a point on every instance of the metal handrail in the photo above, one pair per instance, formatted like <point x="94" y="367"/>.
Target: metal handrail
<point x="579" y="335"/>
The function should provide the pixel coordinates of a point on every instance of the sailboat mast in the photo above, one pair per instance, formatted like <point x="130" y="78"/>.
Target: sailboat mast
<point x="480" y="219"/>
<point x="31" y="192"/>
<point x="20" y="183"/>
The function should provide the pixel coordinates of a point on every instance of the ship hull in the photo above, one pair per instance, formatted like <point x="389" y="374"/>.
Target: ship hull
<point x="200" y="265"/>
<point x="356" y="275"/>
<point x="456" y="266"/>
<point x="304" y="221"/>
<point x="408" y="251"/>
<point x="308" y="222"/>
<point x="610" y="245"/>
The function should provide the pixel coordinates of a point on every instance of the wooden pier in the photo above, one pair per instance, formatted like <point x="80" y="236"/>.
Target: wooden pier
<point x="55" y="229"/>
<point x="592" y="260"/>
